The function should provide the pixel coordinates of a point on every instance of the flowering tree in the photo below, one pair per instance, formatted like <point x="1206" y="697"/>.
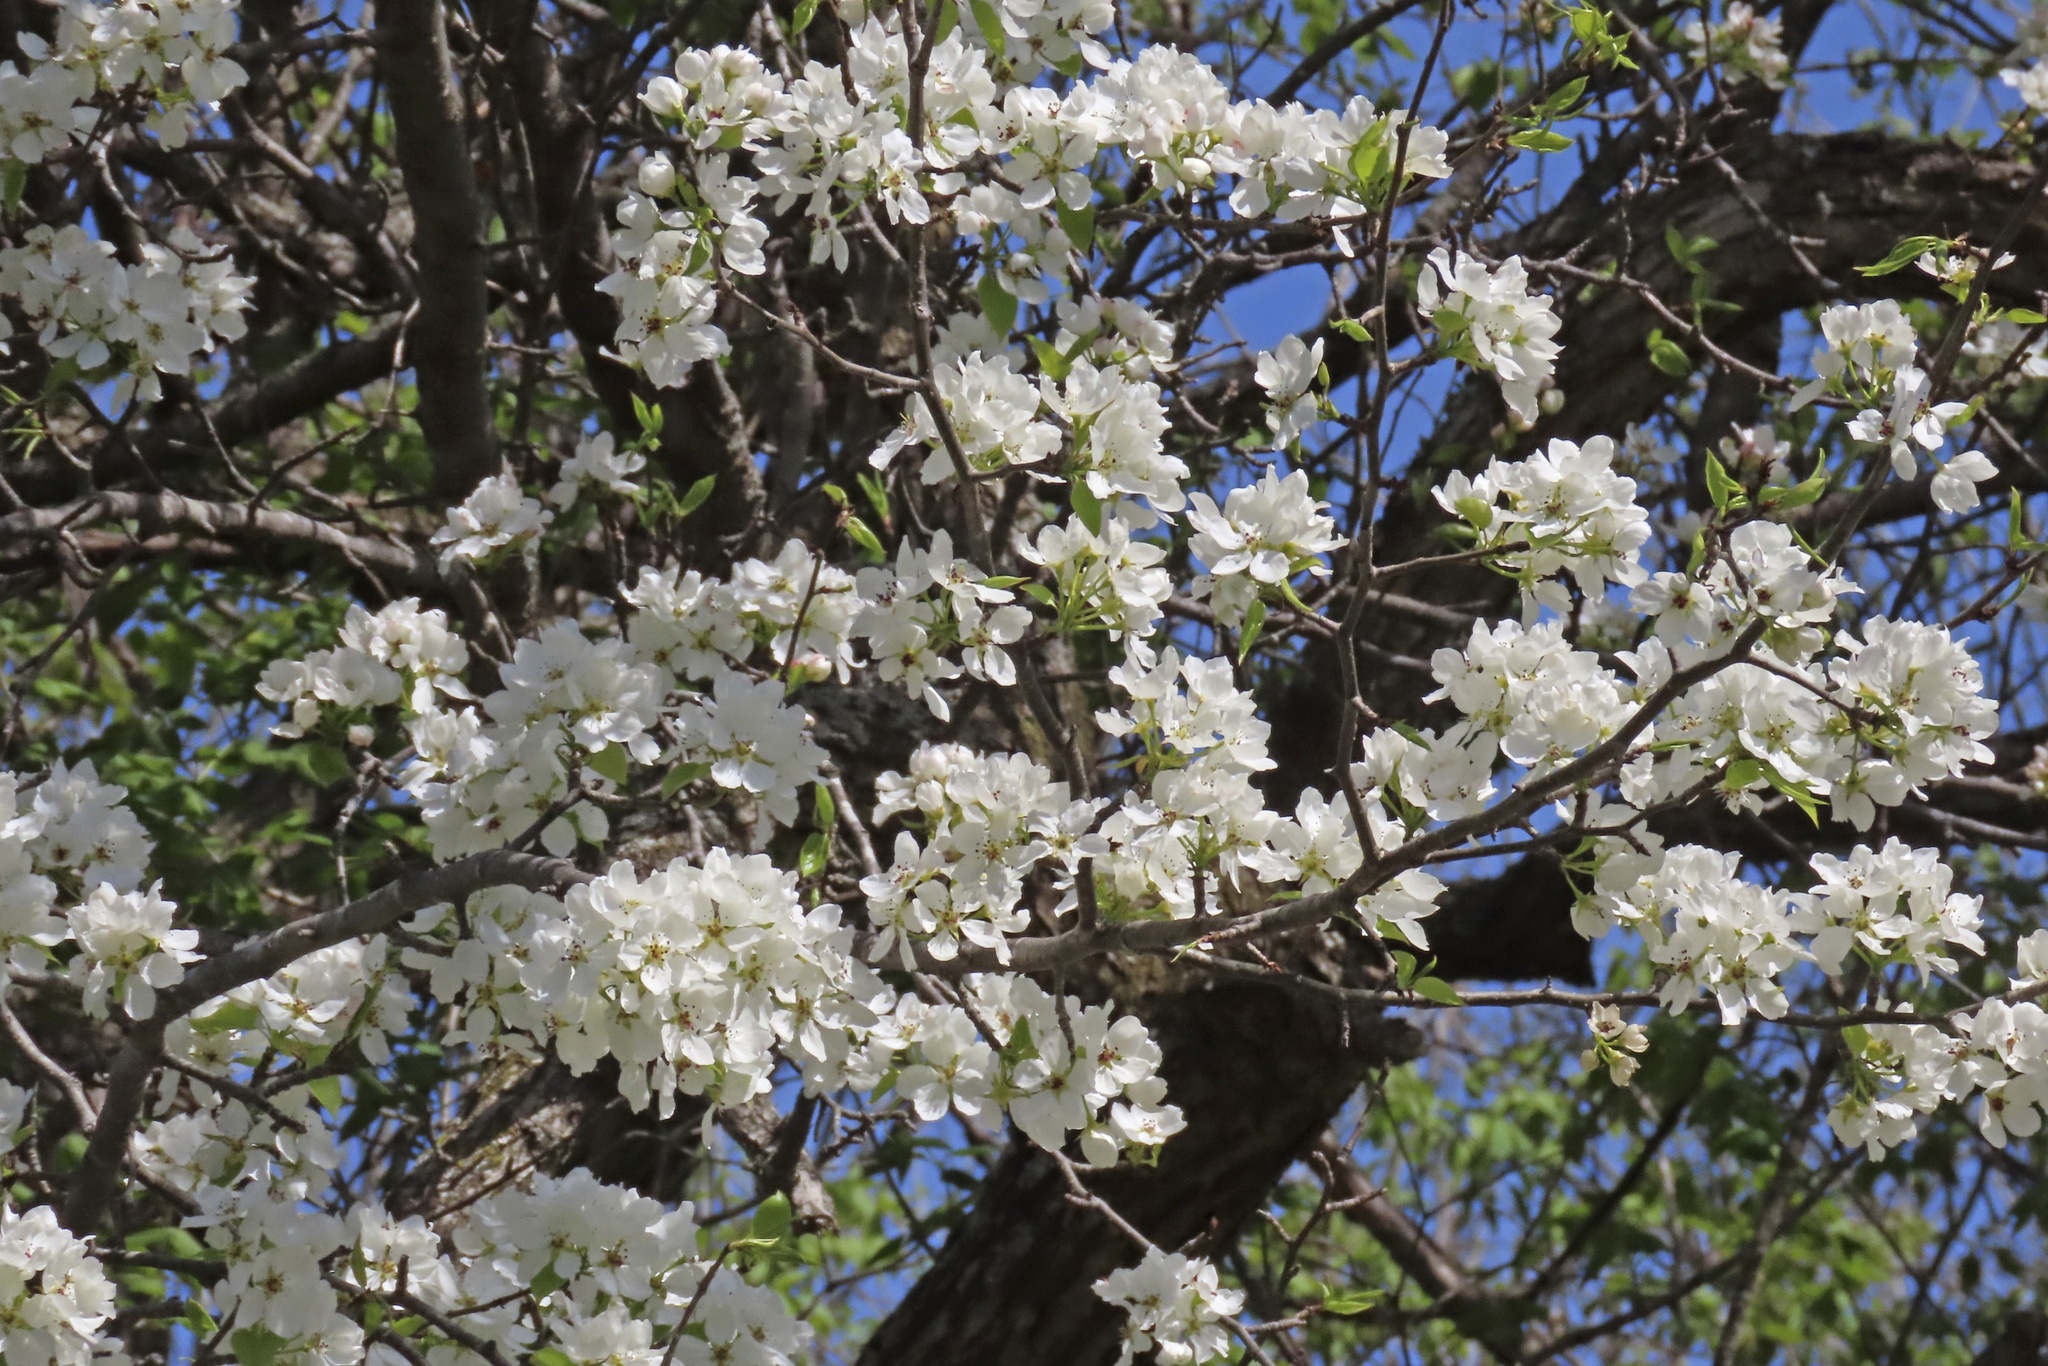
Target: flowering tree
<point x="675" y="696"/>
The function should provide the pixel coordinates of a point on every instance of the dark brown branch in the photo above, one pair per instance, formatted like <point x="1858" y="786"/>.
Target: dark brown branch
<point x="446" y="340"/>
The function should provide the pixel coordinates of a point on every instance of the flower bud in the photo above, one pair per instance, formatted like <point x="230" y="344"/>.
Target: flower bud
<point x="657" y="175"/>
<point x="663" y="97"/>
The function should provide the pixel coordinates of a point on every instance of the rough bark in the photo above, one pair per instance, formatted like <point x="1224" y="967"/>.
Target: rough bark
<point x="445" y="341"/>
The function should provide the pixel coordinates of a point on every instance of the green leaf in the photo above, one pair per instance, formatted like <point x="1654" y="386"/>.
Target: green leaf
<point x="1667" y="355"/>
<point x="2025" y="317"/>
<point x="1721" y="485"/>
<point x="1051" y="359"/>
<point x="407" y="1326"/>
<point x="13" y="180"/>
<point x="1351" y="1301"/>
<point x="823" y="809"/>
<point x="1353" y="329"/>
<point x="1798" y="495"/>
<point x="877" y="493"/>
<point x="551" y="1356"/>
<point x="771" y="1220"/>
<point x="1254" y="622"/>
<point x="1436" y="989"/>
<point x="327" y="1090"/>
<point x="1675" y="243"/>
<point x="1540" y="140"/>
<point x="1078" y="224"/>
<point x="1699" y="553"/>
<point x="233" y="1015"/>
<point x="650" y="417"/>
<point x="61" y="374"/>
<point x="198" y="1320"/>
<point x="256" y="1346"/>
<point x="681" y="776"/>
<point x="1369" y="161"/>
<point x="609" y="762"/>
<point x="1086" y="505"/>
<point x="810" y="861"/>
<point x="168" y="1239"/>
<point x="1795" y="792"/>
<point x="806" y="10"/>
<point x="992" y="35"/>
<point x="998" y="303"/>
<point x="864" y="536"/>
<point x="547" y="1282"/>
<point x="1022" y="1047"/>
<point x="1566" y="96"/>
<point x="1907" y="251"/>
<point x="698" y="493"/>
<point x="1744" y="773"/>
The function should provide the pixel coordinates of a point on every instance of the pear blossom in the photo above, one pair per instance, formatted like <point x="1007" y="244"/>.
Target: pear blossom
<point x="1489" y="318"/>
<point x="1175" y="1306"/>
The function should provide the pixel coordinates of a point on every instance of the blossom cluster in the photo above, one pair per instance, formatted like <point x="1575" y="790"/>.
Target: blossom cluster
<point x="1175" y="1307"/>
<point x="77" y="845"/>
<point x="1489" y="319"/>
<point x="1261" y="538"/>
<point x="133" y="321"/>
<point x="142" y="320"/>
<point x="1742" y="43"/>
<point x="834" y="141"/>
<point x="1565" y="509"/>
<point x="1868" y="355"/>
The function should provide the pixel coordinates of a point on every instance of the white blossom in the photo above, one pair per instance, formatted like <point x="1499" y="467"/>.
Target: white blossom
<point x="1175" y="1307"/>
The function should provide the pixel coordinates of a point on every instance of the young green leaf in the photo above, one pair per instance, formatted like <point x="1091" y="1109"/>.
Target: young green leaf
<point x="610" y="762"/>
<point x="1667" y="355"/>
<point x="863" y="536"/>
<point x="1350" y="1301"/>
<point x="681" y="776"/>
<point x="1721" y="485"/>
<point x="1077" y="224"/>
<point x="695" y="497"/>
<point x="811" y="860"/>
<point x="1798" y="495"/>
<point x="1436" y="989"/>
<point x="327" y="1090"/>
<point x="998" y="303"/>
<point x="255" y="1346"/>
<point x="991" y="26"/>
<point x="1540" y="140"/>
<point x="1906" y="252"/>
<point x="772" y="1218"/>
<point x="1254" y="622"/>
<point x="1086" y="505"/>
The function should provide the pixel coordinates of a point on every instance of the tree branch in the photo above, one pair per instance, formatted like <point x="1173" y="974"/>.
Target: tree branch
<point x="447" y="337"/>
